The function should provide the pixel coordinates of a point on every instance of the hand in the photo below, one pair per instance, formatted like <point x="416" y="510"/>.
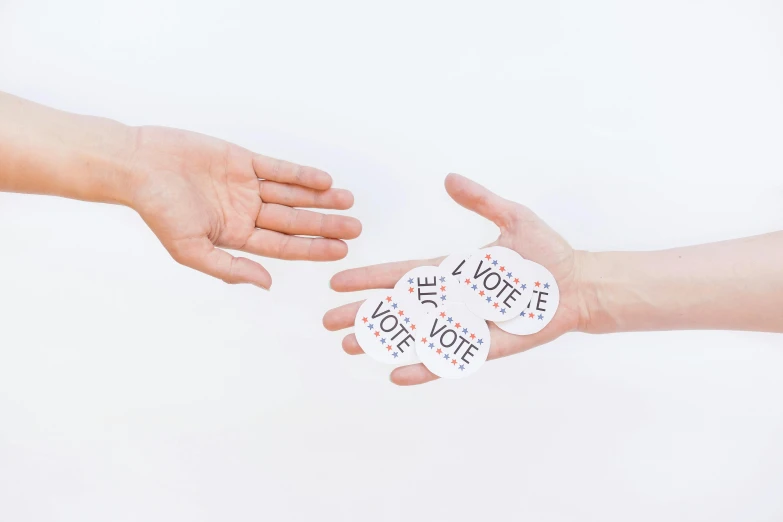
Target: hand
<point x="520" y="230"/>
<point x="199" y="193"/>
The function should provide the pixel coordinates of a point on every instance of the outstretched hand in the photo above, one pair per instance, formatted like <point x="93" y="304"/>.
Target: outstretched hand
<point x="520" y="230"/>
<point x="200" y="195"/>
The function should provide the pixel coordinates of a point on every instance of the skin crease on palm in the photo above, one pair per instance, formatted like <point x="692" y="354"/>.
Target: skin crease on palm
<point x="199" y="194"/>
<point x="521" y="230"/>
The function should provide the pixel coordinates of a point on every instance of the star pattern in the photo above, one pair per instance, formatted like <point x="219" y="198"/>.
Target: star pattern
<point x="459" y="326"/>
<point x="377" y="333"/>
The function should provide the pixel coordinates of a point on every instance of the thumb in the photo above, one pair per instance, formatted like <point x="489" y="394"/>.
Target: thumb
<point x="200" y="254"/>
<point x="483" y="202"/>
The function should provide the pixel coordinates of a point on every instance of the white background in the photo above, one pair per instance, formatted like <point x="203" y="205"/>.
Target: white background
<point x="134" y="389"/>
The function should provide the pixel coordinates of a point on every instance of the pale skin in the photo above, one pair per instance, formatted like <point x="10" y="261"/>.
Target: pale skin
<point x="731" y="285"/>
<point x="199" y="195"/>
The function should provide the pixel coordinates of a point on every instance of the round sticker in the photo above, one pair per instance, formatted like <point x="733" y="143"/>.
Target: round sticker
<point x="426" y="284"/>
<point x="496" y="283"/>
<point x="386" y="327"/>
<point x="542" y="306"/>
<point x="453" y="342"/>
<point x="454" y="264"/>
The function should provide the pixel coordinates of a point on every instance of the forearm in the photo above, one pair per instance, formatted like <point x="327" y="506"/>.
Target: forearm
<point x="731" y="285"/>
<point x="45" y="151"/>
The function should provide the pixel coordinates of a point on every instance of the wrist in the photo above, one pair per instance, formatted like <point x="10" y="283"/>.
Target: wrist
<point x="102" y="158"/>
<point x="593" y="288"/>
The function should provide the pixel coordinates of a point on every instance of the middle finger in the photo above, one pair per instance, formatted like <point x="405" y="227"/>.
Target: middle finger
<point x="306" y="223"/>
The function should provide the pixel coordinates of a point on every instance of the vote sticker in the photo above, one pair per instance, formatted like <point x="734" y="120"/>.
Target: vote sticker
<point x="426" y="284"/>
<point x="454" y="264"/>
<point x="496" y="284"/>
<point x="542" y="306"/>
<point x="453" y="342"/>
<point x="386" y="327"/>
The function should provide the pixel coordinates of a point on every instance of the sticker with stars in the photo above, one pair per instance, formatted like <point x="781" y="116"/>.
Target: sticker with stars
<point x="454" y="264"/>
<point x="496" y="284"/>
<point x="428" y="285"/>
<point x="542" y="306"/>
<point x="387" y="325"/>
<point x="453" y="342"/>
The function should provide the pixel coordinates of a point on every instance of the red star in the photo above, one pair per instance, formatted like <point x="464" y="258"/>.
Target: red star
<point x="488" y="257"/>
<point x="364" y="319"/>
<point x="410" y="290"/>
<point x="388" y="347"/>
<point x="457" y="325"/>
<point x="439" y="351"/>
<point x="495" y="305"/>
<point x="388" y="299"/>
<point x="454" y="362"/>
<point x="424" y="340"/>
<point x="400" y="313"/>
<point x="442" y="288"/>
<point x="472" y="336"/>
<point x="467" y="281"/>
<point x="502" y="268"/>
<point x="538" y="284"/>
<point x="516" y="280"/>
<point x="413" y="327"/>
<point x="377" y="333"/>
<point x="531" y="315"/>
<point x="481" y="292"/>
<point x="443" y="314"/>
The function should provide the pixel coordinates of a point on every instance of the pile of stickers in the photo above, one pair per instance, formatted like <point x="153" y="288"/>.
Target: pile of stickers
<point x="438" y="314"/>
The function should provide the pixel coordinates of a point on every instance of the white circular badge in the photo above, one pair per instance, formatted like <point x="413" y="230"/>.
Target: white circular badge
<point x="386" y="327"/>
<point x="453" y="342"/>
<point x="426" y="284"/>
<point x="542" y="306"/>
<point x="496" y="283"/>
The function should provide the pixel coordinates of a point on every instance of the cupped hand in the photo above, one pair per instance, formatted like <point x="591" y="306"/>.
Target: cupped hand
<point x="200" y="195"/>
<point x="521" y="230"/>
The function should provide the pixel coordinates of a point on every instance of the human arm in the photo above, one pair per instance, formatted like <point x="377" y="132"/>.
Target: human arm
<point x="731" y="285"/>
<point x="198" y="194"/>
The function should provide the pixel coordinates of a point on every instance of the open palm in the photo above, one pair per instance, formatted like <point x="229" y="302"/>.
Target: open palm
<point x="199" y="194"/>
<point x="520" y="230"/>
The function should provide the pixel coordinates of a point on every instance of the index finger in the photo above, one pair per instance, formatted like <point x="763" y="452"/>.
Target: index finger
<point x="286" y="172"/>
<point x="384" y="275"/>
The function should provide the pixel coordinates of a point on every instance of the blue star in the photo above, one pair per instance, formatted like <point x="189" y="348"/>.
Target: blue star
<point x="449" y="319"/>
<point x="461" y="366"/>
<point x="503" y="311"/>
<point x="523" y="286"/>
<point x="495" y="262"/>
<point x="445" y="356"/>
<point x="432" y="346"/>
<point x="508" y="275"/>
<point x="522" y="313"/>
<point x="394" y="305"/>
<point x="540" y="317"/>
<point x="443" y="297"/>
<point x="465" y="331"/>
<point x="394" y="355"/>
<point x="480" y="341"/>
<point x="407" y="320"/>
<point x="442" y="279"/>
<point x="489" y="299"/>
<point x="546" y="285"/>
<point x="383" y="341"/>
<point x="474" y="287"/>
<point x="410" y="281"/>
<point x="370" y="326"/>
